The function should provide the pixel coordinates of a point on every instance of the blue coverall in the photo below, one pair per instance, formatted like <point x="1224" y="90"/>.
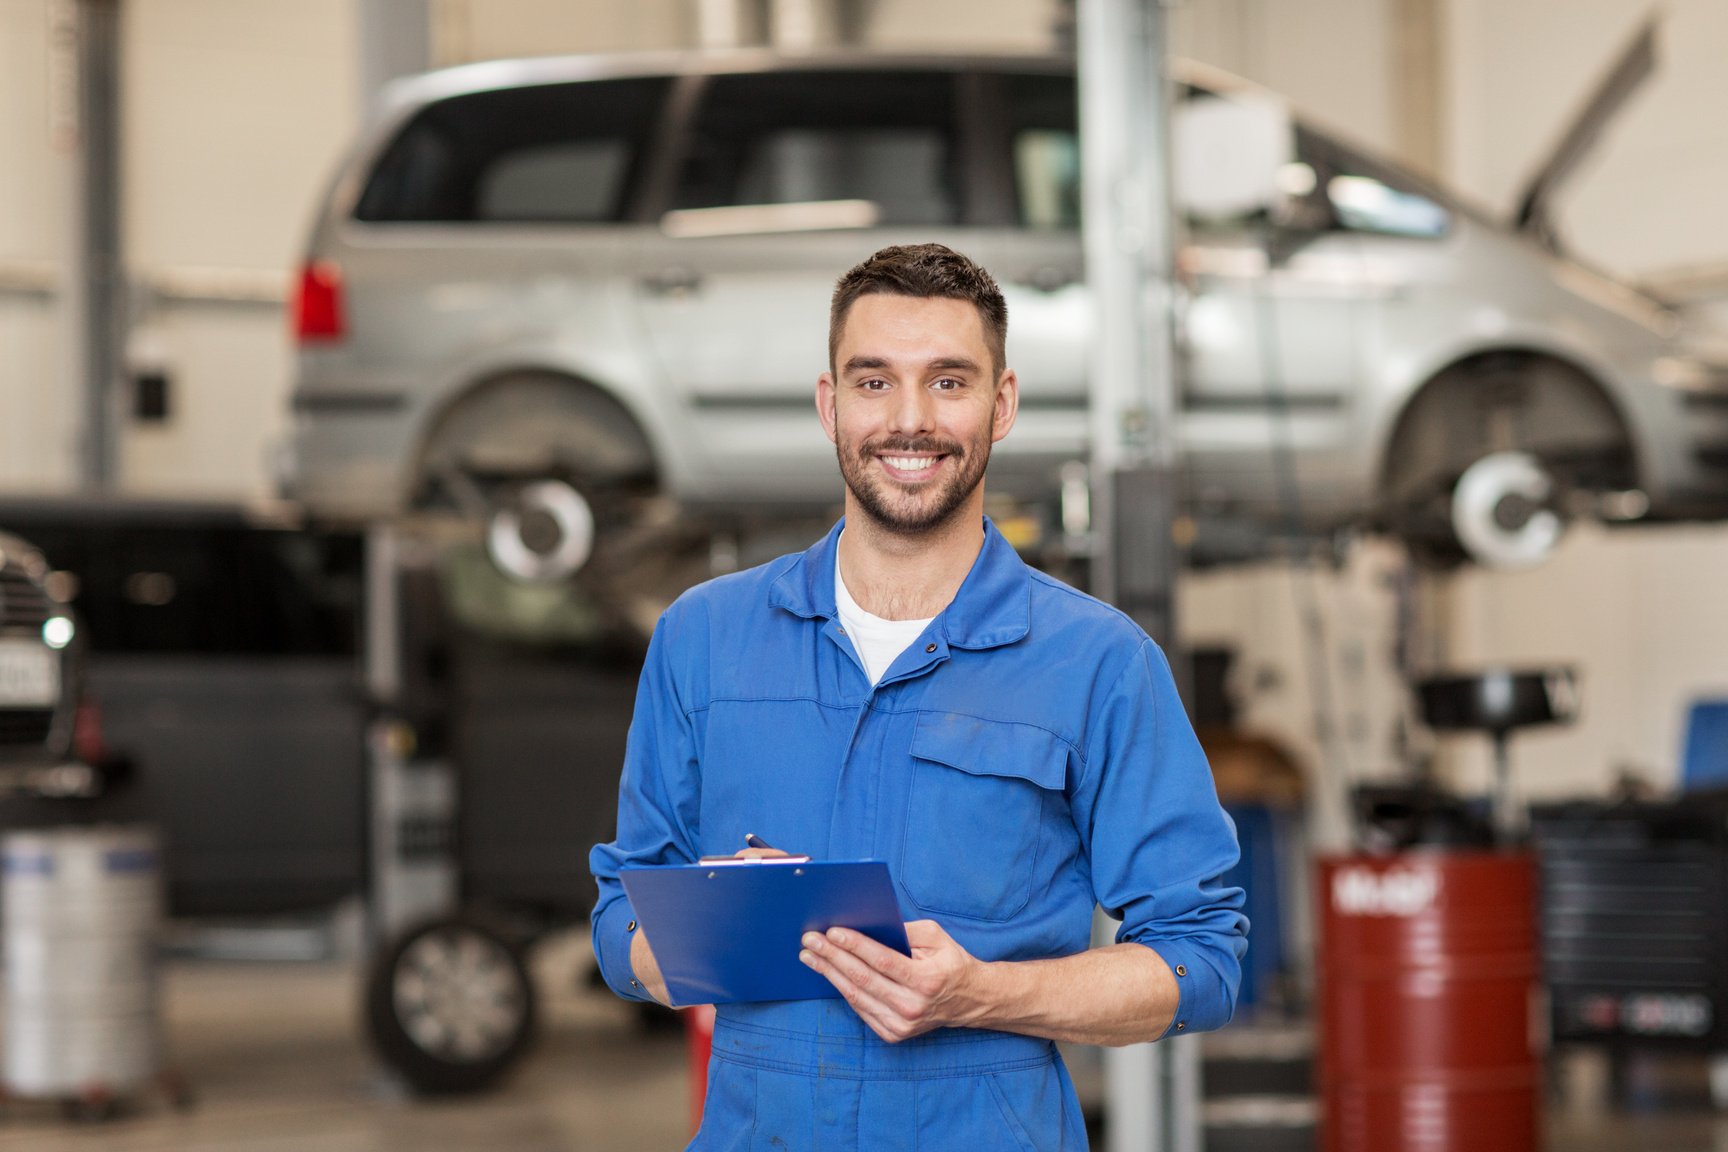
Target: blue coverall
<point x="1024" y="759"/>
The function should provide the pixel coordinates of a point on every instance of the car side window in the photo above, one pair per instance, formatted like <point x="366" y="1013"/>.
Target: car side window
<point x="543" y="154"/>
<point x="1044" y="139"/>
<point x="795" y="137"/>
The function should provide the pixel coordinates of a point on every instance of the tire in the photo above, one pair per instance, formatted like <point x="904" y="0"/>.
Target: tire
<point x="450" y="1005"/>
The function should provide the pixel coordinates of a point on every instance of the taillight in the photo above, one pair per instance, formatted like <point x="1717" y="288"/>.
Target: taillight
<point x="318" y="303"/>
<point x="88" y="746"/>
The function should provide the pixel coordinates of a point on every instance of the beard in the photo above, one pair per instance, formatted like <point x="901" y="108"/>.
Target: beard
<point x="918" y="511"/>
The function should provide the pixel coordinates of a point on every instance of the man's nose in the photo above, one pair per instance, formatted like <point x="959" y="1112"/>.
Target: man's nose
<point x="913" y="412"/>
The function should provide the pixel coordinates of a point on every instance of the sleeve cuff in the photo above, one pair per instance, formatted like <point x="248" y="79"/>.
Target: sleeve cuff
<point x="1205" y="999"/>
<point x="614" y="928"/>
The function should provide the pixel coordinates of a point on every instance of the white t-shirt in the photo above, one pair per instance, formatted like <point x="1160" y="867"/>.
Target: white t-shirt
<point x="877" y="641"/>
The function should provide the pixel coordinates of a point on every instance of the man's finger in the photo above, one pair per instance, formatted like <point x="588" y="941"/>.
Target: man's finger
<point x="857" y="969"/>
<point x="880" y="957"/>
<point x="759" y="854"/>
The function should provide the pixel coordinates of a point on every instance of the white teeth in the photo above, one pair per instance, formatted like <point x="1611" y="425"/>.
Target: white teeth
<point x="909" y="463"/>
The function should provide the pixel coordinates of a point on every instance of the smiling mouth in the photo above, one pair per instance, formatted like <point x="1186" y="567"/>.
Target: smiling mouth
<point x="910" y="465"/>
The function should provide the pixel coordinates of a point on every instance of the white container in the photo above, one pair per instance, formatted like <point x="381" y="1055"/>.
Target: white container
<point x="82" y="909"/>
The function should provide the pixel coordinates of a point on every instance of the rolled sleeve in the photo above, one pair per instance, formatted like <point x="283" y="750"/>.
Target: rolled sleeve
<point x="614" y="926"/>
<point x="1160" y="842"/>
<point x="658" y="802"/>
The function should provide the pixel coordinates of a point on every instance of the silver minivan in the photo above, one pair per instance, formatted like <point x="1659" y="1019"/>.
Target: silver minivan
<point x="584" y="295"/>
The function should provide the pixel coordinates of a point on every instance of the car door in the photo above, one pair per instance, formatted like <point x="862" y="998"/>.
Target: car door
<point x="786" y="179"/>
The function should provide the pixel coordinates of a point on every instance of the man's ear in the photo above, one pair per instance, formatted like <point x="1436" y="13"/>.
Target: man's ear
<point x="1007" y="405"/>
<point x="825" y="403"/>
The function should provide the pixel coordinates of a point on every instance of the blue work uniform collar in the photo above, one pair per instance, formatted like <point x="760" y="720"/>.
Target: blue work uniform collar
<point x="993" y="606"/>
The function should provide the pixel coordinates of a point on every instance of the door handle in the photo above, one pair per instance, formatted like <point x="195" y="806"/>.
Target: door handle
<point x="675" y="281"/>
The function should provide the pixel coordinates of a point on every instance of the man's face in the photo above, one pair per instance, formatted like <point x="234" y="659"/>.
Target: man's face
<point x="912" y="407"/>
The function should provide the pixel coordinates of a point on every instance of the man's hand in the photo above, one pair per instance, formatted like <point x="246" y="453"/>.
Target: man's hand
<point x="1118" y="994"/>
<point x="899" y="997"/>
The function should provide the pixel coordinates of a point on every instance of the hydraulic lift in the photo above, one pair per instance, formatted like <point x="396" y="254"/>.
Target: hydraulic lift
<point x="1153" y="1090"/>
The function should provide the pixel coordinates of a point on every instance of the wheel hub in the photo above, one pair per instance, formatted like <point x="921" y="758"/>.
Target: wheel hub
<point x="457" y="996"/>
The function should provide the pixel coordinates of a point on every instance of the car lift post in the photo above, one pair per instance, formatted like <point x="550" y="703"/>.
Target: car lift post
<point x="1152" y="1090"/>
<point x="411" y="797"/>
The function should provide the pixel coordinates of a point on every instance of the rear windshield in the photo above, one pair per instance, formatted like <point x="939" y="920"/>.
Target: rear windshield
<point x="549" y="154"/>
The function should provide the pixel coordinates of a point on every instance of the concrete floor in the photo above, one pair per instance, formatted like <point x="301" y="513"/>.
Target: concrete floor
<point x="273" y="1056"/>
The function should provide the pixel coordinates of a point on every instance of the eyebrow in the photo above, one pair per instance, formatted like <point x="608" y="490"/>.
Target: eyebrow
<point x="940" y="364"/>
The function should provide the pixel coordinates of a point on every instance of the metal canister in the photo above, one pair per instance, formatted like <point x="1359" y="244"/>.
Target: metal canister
<point x="1427" y="973"/>
<point x="82" y="911"/>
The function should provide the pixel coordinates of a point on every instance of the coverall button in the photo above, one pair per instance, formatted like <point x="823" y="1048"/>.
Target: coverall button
<point x="631" y="927"/>
<point x="842" y="631"/>
<point x="1181" y="1024"/>
<point x="1181" y="969"/>
<point x="929" y="647"/>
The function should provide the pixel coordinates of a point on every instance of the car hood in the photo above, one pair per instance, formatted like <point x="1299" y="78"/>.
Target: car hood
<point x="1636" y="64"/>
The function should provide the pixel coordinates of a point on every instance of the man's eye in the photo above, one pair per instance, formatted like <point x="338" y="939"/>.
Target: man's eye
<point x="874" y="385"/>
<point x="946" y="384"/>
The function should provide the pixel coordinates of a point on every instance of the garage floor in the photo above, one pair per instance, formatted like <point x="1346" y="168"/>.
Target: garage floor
<point x="271" y="1053"/>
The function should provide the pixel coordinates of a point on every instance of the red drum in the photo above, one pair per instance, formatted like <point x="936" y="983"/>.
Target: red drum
<point x="699" y="1046"/>
<point x="1428" y="1022"/>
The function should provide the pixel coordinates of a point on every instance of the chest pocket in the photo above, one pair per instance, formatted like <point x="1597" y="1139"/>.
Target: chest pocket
<point x="982" y="795"/>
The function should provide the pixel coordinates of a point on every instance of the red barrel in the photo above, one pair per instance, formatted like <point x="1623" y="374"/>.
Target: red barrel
<point x="699" y="1046"/>
<point x="1427" y="973"/>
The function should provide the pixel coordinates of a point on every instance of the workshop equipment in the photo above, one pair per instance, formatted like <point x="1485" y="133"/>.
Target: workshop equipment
<point x="82" y="910"/>
<point x="1635" y="946"/>
<point x="1498" y="702"/>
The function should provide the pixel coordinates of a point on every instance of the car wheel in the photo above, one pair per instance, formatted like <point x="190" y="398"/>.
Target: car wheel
<point x="1488" y="461"/>
<point x="450" y="1005"/>
<point x="1504" y="511"/>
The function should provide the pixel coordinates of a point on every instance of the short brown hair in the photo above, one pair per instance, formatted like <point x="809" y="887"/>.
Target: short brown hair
<point x="923" y="271"/>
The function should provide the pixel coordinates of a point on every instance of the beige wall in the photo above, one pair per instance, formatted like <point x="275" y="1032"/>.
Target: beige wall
<point x="1332" y="58"/>
<point x="1006" y="26"/>
<point x="234" y="115"/>
<point x="38" y="414"/>
<point x="465" y="30"/>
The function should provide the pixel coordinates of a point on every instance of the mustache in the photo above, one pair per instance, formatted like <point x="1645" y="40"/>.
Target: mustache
<point x="911" y="446"/>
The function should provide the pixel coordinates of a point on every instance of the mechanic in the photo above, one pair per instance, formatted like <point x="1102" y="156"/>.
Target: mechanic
<point x="909" y="690"/>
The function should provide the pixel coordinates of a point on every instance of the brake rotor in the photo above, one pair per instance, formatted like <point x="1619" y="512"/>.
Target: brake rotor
<point x="1502" y="511"/>
<point x="545" y="535"/>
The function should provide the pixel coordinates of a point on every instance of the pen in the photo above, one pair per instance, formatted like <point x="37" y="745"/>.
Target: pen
<point x="751" y="840"/>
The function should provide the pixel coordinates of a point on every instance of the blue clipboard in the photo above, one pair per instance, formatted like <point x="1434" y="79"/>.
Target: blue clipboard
<point x="729" y="933"/>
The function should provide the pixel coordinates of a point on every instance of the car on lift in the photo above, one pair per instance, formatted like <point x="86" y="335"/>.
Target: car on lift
<point x="586" y="298"/>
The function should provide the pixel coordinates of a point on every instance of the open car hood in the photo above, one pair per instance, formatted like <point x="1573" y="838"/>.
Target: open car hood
<point x="1628" y="75"/>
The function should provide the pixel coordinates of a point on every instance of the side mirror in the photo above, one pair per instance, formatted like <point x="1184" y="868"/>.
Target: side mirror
<point x="1227" y="155"/>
